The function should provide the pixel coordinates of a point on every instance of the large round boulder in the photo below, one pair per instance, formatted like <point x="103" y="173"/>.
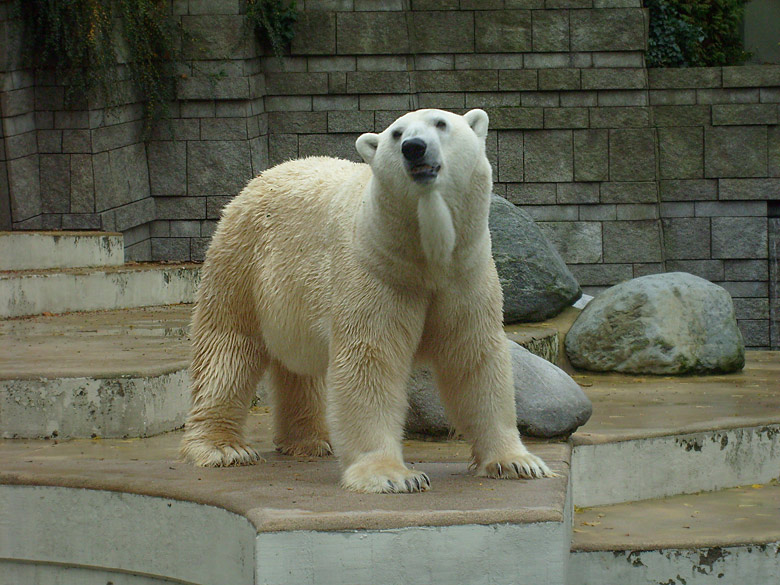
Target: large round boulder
<point x="674" y="323"/>
<point x="549" y="403"/>
<point x="537" y="284"/>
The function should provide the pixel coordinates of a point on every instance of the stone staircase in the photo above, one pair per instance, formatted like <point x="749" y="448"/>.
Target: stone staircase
<point x="648" y="491"/>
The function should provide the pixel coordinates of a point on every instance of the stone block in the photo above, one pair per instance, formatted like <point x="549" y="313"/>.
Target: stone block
<point x="82" y="184"/>
<point x="567" y="78"/>
<point x="213" y="6"/>
<point x="315" y="33"/>
<point x="76" y="141"/>
<point x="258" y="154"/>
<point x="632" y="241"/>
<point x="371" y="33"/>
<point x="744" y="114"/>
<point x="746" y="270"/>
<point x="331" y="64"/>
<point x="620" y="59"/>
<point x="49" y="141"/>
<point x="755" y="308"/>
<point x="389" y="102"/>
<point x="510" y="157"/>
<point x="531" y="193"/>
<point x="297" y="122"/>
<point x="223" y="129"/>
<point x="433" y="62"/>
<point x="378" y="82"/>
<point x="647" y="268"/>
<point x="134" y="214"/>
<point x="601" y="274"/>
<point x="185" y="228"/>
<point x="579" y="242"/>
<point x="336" y="145"/>
<point x="674" y="78"/>
<point x="602" y="212"/>
<point x="746" y="189"/>
<point x="214" y="206"/>
<point x="728" y="96"/>
<point x="288" y="104"/>
<point x="731" y="208"/>
<point x="681" y="151"/>
<point x="552" y="212"/>
<point x="501" y="61"/>
<point x="160" y="229"/>
<point x="378" y="63"/>
<point x="577" y="193"/>
<point x="629" y="192"/>
<point x="551" y="30"/>
<point x="121" y="176"/>
<point x="458" y="80"/>
<point x="179" y="208"/>
<point x="329" y="103"/>
<point x="773" y="155"/>
<point x="751" y="76"/>
<point x="749" y="289"/>
<point x="637" y="211"/>
<point x="755" y="333"/>
<point x="548" y="156"/>
<point x="217" y="167"/>
<point x="216" y="36"/>
<point x="171" y="249"/>
<point x="211" y="88"/>
<point x="167" y="167"/>
<point x="591" y="155"/>
<point x="618" y="29"/>
<point x="80" y="221"/>
<point x="540" y="99"/>
<point x="686" y="238"/>
<point x="502" y="31"/>
<point x="116" y="136"/>
<point x="515" y="118"/>
<point x="691" y="190"/>
<point x="735" y="151"/>
<point x="711" y="270"/>
<point x="21" y="145"/>
<point x="686" y="209"/>
<point x="739" y="237"/>
<point x="622" y="98"/>
<point x="443" y="101"/>
<point x="357" y="121"/>
<point x="517" y="80"/>
<point x="546" y="60"/>
<point x="55" y="183"/>
<point x="620" y="117"/>
<point x="609" y="78"/>
<point x="440" y="32"/>
<point x="296" y="83"/>
<point x="632" y="155"/>
<point x="383" y="119"/>
<point x="21" y="124"/>
<point x="565" y="118"/>
<point x="672" y="97"/>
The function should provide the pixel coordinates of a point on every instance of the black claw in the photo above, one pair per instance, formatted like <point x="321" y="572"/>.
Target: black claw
<point x="498" y="466"/>
<point x="391" y="485"/>
<point x="517" y="469"/>
<point x="427" y="480"/>
<point x="417" y="483"/>
<point x="408" y="485"/>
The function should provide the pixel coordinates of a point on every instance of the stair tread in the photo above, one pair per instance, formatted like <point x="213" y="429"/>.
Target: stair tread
<point x="730" y="517"/>
<point x="100" y="344"/>
<point x="88" y="270"/>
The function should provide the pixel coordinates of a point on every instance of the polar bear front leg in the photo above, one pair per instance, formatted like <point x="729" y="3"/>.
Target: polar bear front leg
<point x="371" y="357"/>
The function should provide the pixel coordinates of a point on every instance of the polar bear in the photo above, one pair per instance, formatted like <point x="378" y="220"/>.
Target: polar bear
<point x="335" y="278"/>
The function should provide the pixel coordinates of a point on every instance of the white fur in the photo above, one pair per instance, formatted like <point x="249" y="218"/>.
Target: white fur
<point x="335" y="277"/>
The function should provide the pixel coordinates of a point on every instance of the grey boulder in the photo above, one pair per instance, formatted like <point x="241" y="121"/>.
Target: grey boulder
<point x="674" y="323"/>
<point x="537" y="284"/>
<point x="549" y="403"/>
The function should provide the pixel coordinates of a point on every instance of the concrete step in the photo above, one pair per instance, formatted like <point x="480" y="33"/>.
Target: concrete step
<point x="34" y="292"/>
<point x="107" y="374"/>
<point x="729" y="536"/>
<point x="282" y="521"/>
<point x="653" y="436"/>
<point x="42" y="250"/>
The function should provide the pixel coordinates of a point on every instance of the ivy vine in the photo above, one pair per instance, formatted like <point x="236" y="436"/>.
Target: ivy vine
<point x="273" y="22"/>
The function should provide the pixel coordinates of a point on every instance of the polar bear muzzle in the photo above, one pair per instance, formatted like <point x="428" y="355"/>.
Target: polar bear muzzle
<point x="417" y="160"/>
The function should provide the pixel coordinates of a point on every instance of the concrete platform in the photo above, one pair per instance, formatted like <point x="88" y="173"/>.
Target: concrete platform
<point x="67" y="249"/>
<point x="35" y="292"/>
<point x="728" y="536"/>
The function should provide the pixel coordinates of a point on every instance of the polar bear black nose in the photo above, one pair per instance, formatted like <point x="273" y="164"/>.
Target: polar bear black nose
<point x="413" y="149"/>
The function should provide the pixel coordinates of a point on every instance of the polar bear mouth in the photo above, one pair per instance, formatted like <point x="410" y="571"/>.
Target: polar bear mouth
<point x="423" y="173"/>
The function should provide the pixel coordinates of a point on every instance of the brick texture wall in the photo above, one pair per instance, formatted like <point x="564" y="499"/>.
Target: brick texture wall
<point x="629" y="171"/>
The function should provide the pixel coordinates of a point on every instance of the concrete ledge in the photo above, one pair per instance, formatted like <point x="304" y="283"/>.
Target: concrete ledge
<point x="139" y="285"/>
<point x="41" y="250"/>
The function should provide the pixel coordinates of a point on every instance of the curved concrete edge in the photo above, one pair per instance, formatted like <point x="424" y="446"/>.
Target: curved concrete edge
<point x="97" y="290"/>
<point x="657" y="467"/>
<point x="93" y="407"/>
<point x="70" y="534"/>
<point x="756" y="563"/>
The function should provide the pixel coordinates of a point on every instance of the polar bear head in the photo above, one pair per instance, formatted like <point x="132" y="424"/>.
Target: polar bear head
<point x="427" y="149"/>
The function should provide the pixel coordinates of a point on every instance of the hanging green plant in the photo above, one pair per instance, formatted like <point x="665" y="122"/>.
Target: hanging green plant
<point x="86" y="42"/>
<point x="273" y="22"/>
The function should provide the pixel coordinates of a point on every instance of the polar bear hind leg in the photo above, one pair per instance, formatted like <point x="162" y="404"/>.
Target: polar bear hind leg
<point x="299" y="413"/>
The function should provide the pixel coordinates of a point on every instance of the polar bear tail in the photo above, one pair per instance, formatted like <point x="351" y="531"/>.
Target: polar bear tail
<point x="437" y="234"/>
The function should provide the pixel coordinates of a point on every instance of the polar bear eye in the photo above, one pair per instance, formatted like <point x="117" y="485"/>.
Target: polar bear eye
<point x="397" y="134"/>
<point x="441" y="124"/>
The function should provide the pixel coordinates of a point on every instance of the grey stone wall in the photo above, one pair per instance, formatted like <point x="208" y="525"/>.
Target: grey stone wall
<point x="628" y="171"/>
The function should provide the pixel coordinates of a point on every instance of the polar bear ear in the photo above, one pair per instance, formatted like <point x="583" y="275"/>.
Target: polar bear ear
<point x="478" y="120"/>
<point x="366" y="146"/>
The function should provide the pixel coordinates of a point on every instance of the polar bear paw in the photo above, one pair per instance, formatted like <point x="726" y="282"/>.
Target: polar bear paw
<point x="523" y="466"/>
<point x="308" y="448"/>
<point x="224" y="453"/>
<point x="384" y="478"/>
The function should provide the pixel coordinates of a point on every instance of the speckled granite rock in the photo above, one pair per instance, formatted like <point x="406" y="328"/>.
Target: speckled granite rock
<point x="673" y="323"/>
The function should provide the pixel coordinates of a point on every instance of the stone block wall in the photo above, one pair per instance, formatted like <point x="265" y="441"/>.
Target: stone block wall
<point x="628" y="171"/>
